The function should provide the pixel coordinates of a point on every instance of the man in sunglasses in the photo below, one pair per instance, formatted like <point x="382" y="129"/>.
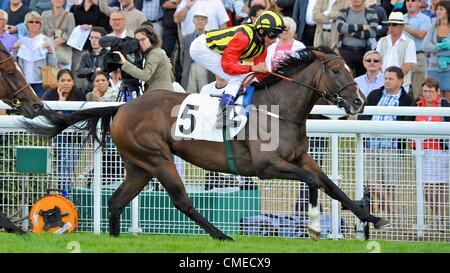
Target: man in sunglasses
<point x="232" y="53"/>
<point x="373" y="78"/>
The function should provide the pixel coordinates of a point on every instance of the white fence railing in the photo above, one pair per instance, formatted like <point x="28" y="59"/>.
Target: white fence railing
<point x="418" y="210"/>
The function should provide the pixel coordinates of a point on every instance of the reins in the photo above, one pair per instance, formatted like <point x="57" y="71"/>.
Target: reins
<point x="333" y="97"/>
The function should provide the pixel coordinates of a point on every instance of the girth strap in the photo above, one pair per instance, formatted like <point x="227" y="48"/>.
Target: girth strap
<point x="231" y="161"/>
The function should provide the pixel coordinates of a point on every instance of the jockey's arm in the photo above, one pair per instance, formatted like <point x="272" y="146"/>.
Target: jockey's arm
<point x="232" y="53"/>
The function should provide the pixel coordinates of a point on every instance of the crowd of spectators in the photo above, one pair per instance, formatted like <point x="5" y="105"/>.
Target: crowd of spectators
<point x="396" y="49"/>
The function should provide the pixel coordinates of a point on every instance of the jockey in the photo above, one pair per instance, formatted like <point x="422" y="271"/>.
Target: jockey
<point x="232" y="53"/>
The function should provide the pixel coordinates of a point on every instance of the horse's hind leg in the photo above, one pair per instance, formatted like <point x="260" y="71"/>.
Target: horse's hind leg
<point x="168" y="176"/>
<point x="135" y="180"/>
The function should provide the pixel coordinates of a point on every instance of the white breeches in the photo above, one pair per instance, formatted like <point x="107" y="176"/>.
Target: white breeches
<point x="211" y="60"/>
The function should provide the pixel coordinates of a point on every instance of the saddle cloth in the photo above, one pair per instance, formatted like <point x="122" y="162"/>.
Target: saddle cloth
<point x="197" y="117"/>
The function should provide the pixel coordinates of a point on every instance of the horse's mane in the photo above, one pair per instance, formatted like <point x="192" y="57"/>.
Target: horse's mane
<point x="295" y="62"/>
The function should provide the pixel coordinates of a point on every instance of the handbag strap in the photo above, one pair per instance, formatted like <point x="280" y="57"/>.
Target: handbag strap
<point x="62" y="20"/>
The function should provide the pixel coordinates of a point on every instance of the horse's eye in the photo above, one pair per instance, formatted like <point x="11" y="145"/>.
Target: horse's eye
<point x="335" y="71"/>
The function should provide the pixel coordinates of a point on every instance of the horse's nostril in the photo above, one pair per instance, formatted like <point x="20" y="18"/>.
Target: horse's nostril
<point x="357" y="101"/>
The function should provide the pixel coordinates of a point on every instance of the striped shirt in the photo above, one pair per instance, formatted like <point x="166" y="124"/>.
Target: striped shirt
<point x="349" y="21"/>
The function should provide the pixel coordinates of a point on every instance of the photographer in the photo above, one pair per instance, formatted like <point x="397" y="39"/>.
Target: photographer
<point x="130" y="87"/>
<point x="157" y="71"/>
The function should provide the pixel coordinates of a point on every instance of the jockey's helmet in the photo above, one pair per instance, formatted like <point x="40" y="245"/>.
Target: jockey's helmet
<point x="271" y="22"/>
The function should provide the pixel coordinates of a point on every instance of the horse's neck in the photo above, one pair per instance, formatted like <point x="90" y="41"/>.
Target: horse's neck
<point x="295" y="101"/>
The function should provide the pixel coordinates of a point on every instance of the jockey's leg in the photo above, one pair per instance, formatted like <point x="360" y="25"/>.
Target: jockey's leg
<point x="226" y="115"/>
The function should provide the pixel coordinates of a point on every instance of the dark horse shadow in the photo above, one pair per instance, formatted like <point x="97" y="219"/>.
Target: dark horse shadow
<point x="18" y="94"/>
<point x="143" y="132"/>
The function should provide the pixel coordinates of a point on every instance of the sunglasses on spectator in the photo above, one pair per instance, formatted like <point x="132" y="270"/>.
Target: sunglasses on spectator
<point x="412" y="1"/>
<point x="373" y="60"/>
<point x="393" y="24"/>
<point x="34" y="22"/>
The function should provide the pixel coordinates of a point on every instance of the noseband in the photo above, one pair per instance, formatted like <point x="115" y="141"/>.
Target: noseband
<point x="332" y="96"/>
<point x="15" y="102"/>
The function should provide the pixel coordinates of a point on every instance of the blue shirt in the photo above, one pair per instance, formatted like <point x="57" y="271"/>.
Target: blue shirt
<point x="366" y="86"/>
<point x="8" y="41"/>
<point x="386" y="100"/>
<point x="417" y="22"/>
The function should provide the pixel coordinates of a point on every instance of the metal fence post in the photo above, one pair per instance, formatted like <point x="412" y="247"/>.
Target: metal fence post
<point x="97" y="184"/>
<point x="420" y="225"/>
<point x="359" y="176"/>
<point x="135" y="216"/>
<point x="335" y="219"/>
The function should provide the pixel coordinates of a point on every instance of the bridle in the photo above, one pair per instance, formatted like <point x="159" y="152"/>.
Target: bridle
<point x="332" y="96"/>
<point x="15" y="102"/>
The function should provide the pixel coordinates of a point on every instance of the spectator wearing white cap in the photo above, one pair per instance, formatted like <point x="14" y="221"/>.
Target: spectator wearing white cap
<point x="397" y="49"/>
<point x="194" y="76"/>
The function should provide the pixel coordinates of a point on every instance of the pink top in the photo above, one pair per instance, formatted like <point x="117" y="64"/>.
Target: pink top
<point x="280" y="54"/>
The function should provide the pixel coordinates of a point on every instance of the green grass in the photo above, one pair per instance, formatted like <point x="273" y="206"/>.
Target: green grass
<point x="126" y="243"/>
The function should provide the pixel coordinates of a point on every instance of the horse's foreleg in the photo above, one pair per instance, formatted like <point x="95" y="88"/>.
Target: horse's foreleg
<point x="168" y="176"/>
<point x="363" y="213"/>
<point x="330" y="188"/>
<point x="135" y="180"/>
<point x="314" y="214"/>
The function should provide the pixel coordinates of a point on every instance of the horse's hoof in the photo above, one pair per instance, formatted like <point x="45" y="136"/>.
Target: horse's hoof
<point x="313" y="234"/>
<point x="382" y="224"/>
<point x="20" y="232"/>
<point x="224" y="238"/>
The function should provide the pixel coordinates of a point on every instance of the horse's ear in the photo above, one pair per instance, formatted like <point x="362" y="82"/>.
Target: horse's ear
<point x="318" y="54"/>
<point x="336" y="50"/>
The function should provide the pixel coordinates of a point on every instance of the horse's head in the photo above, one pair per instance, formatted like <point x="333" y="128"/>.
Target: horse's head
<point x="14" y="89"/>
<point x="337" y="84"/>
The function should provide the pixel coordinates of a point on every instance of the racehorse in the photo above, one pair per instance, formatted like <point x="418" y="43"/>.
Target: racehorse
<point x="17" y="93"/>
<point x="142" y="131"/>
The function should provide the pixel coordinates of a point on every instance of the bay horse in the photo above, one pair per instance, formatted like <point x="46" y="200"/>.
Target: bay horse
<point x="18" y="94"/>
<point x="142" y="131"/>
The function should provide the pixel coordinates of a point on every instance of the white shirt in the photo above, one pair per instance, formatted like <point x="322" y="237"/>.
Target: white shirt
<point x="309" y="12"/>
<point x="217" y="15"/>
<point x="391" y="56"/>
<point x="326" y="12"/>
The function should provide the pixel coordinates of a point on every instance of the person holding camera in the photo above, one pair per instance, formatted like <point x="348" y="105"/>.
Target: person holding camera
<point x="157" y="71"/>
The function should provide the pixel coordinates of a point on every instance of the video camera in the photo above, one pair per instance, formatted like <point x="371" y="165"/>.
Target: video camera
<point x="129" y="47"/>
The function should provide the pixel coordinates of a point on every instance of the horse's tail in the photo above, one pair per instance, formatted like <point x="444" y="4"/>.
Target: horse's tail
<point x="56" y="122"/>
